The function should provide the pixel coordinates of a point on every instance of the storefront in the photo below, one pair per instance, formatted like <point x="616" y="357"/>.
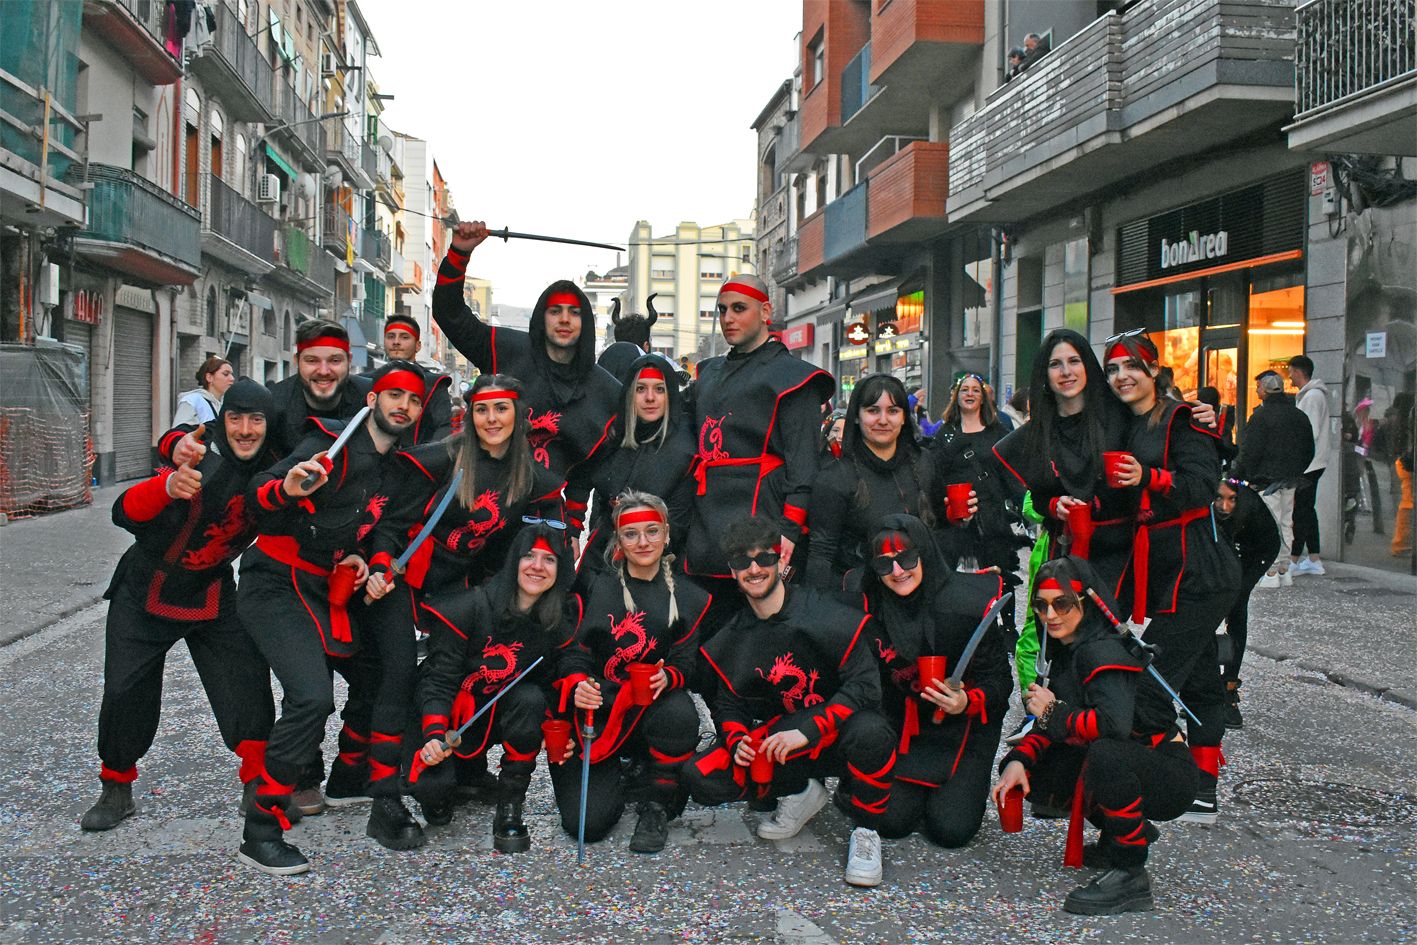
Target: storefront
<point x="1219" y="286"/>
<point x="854" y="357"/>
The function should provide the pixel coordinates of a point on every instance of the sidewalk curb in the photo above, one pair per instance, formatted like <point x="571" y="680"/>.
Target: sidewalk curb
<point x="15" y="636"/>
<point x="1402" y="697"/>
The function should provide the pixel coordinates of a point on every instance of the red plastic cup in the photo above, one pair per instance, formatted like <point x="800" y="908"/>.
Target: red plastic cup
<point x="1080" y="526"/>
<point x="641" y="692"/>
<point x="342" y="585"/>
<point x="957" y="500"/>
<point x="760" y="770"/>
<point x="557" y="733"/>
<point x="1111" y="463"/>
<point x="930" y="669"/>
<point x="1011" y="814"/>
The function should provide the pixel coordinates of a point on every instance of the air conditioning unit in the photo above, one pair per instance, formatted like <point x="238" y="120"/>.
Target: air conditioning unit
<point x="358" y="293"/>
<point x="268" y="189"/>
<point x="327" y="63"/>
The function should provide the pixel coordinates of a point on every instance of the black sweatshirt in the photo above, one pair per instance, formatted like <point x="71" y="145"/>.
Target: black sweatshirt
<point x="840" y="529"/>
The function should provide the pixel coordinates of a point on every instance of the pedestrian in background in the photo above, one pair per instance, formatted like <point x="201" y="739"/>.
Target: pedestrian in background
<point x="1251" y="531"/>
<point x="203" y="403"/>
<point x="1276" y="448"/>
<point x="1313" y="400"/>
<point x="1399" y="422"/>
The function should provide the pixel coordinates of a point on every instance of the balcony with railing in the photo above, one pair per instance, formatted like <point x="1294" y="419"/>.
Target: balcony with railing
<point x="233" y="68"/>
<point x="845" y="224"/>
<point x="376" y="248"/>
<point x="335" y="233"/>
<point x="1355" y="77"/>
<point x="140" y="229"/>
<point x="908" y="191"/>
<point x="396" y="267"/>
<point x="1132" y="90"/>
<point x="856" y="87"/>
<point x="295" y="253"/>
<point x="322" y="270"/>
<point x="784" y="260"/>
<point x="137" y="29"/>
<point x="299" y="128"/>
<point x="342" y="147"/>
<point x="237" y="231"/>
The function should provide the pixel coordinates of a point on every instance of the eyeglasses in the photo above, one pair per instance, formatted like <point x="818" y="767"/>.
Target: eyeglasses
<point x="1122" y="336"/>
<point x="763" y="559"/>
<point x="882" y="564"/>
<point x="549" y="522"/>
<point x="652" y="534"/>
<point x="1062" y="606"/>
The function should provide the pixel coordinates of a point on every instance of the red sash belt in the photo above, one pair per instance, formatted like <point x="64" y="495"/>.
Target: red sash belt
<point x="286" y="550"/>
<point x="1141" y="551"/>
<point x="768" y="462"/>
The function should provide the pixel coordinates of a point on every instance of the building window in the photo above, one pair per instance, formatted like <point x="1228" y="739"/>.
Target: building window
<point x="821" y="187"/>
<point x="268" y="323"/>
<point x="816" y="59"/>
<point x="1075" y="285"/>
<point x="287" y="336"/>
<point x="211" y="311"/>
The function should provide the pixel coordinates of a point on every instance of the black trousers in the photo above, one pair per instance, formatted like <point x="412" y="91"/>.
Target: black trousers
<point x="1306" y="519"/>
<point x="387" y="629"/>
<point x="665" y="736"/>
<point x="1237" y="622"/>
<point x="1186" y="658"/>
<point x="1126" y="784"/>
<point x="863" y="756"/>
<point x="235" y="677"/>
<point x="948" y="815"/>
<point x="516" y="724"/>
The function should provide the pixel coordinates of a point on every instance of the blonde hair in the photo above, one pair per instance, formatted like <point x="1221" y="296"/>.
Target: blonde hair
<point x="632" y="420"/>
<point x="627" y="501"/>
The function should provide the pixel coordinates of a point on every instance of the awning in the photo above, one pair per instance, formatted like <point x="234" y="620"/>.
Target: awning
<point x="281" y="163"/>
<point x="876" y="297"/>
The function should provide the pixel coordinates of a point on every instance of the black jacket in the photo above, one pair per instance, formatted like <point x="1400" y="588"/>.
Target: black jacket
<point x="839" y="528"/>
<point x="1277" y="443"/>
<point x="1252" y="532"/>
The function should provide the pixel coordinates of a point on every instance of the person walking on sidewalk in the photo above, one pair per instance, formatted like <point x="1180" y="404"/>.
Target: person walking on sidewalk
<point x="1313" y="401"/>
<point x="175" y="583"/>
<point x="1251" y="531"/>
<point x="1276" y="448"/>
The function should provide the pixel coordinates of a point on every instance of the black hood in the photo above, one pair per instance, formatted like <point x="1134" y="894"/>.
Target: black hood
<point x="502" y="588"/>
<point x="245" y="396"/>
<point x="909" y="620"/>
<point x="618" y="357"/>
<point x="671" y="373"/>
<point x="584" y="361"/>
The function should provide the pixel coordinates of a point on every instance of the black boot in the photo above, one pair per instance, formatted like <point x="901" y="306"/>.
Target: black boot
<point x="1098" y="855"/>
<point x="1233" y="719"/>
<point x="1120" y="889"/>
<point x="263" y="845"/>
<point x="475" y="783"/>
<point x="393" y="826"/>
<point x="633" y="776"/>
<point x="348" y="784"/>
<point x="248" y="797"/>
<point x="509" y="833"/>
<point x="1205" y="808"/>
<point x="652" y="830"/>
<point x="114" y="805"/>
<point x="437" y="814"/>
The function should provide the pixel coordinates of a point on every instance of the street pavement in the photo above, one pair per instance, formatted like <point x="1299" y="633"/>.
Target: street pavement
<point x="1315" y="842"/>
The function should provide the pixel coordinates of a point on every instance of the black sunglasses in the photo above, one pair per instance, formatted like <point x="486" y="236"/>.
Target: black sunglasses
<point x="882" y="564"/>
<point x="763" y="559"/>
<point x="1062" y="606"/>
<point x="549" y="522"/>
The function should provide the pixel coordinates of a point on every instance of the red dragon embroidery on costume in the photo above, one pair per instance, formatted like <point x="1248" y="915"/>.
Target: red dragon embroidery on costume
<point x="545" y="427"/>
<point x="637" y="652"/>
<point x="901" y="675"/>
<point x="372" y="513"/>
<point x="507" y="652"/>
<point x="476" y="530"/>
<point x="804" y="688"/>
<point x="219" y="535"/>
<point x="711" y="439"/>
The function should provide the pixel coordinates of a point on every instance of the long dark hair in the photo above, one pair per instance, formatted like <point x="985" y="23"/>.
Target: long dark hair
<point x="853" y="444"/>
<point x="988" y="411"/>
<point x="464" y="448"/>
<point x="548" y="611"/>
<point x="1069" y="569"/>
<point x="1043" y="403"/>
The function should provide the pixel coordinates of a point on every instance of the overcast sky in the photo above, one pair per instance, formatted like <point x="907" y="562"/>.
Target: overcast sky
<point x="577" y="119"/>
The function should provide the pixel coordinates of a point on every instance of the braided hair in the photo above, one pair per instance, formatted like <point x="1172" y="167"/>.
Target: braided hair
<point x="628" y="501"/>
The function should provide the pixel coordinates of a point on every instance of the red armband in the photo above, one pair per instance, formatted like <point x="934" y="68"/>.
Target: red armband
<point x="1159" y="480"/>
<point x="567" y="685"/>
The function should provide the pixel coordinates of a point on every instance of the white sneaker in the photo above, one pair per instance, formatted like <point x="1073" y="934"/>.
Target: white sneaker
<point x="793" y="812"/>
<point x="1308" y="566"/>
<point x="1269" y="580"/>
<point x="863" y="858"/>
<point x="1299" y="567"/>
<point x="1286" y="579"/>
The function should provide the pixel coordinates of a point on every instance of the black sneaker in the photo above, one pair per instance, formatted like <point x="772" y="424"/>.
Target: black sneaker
<point x="114" y="805"/>
<point x="346" y="785"/>
<point x="273" y="856"/>
<point x="1204" y="809"/>
<point x="1118" y="890"/>
<point x="437" y="815"/>
<point x="652" y="829"/>
<point x="393" y="826"/>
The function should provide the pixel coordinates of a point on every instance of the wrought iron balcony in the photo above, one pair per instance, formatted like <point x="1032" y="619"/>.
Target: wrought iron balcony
<point x="236" y="230"/>
<point x="376" y="248"/>
<point x="299" y="127"/>
<point x="233" y="68"/>
<point x="336" y="232"/>
<point x="137" y="227"/>
<point x="137" y="29"/>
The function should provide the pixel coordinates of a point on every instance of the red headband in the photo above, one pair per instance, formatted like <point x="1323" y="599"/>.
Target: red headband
<point x="651" y="374"/>
<point x="402" y="380"/>
<point x="324" y="341"/>
<point x="541" y="544"/>
<point x="640" y="515"/>
<point x="407" y="325"/>
<point x="1120" y="350"/>
<point x="894" y="544"/>
<point x="744" y="289"/>
<point x="563" y="298"/>
<point x="1051" y="584"/>
<point x="494" y="393"/>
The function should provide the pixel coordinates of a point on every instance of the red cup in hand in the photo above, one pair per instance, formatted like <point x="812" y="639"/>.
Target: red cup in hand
<point x="931" y="669"/>
<point x="641" y="691"/>
<point x="1011" y="814"/>
<point x="557" y="733"/>
<point x="760" y="770"/>
<point x="1111" y="463"/>
<point x="957" y="500"/>
<point x="342" y="581"/>
<point x="1080" y="529"/>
